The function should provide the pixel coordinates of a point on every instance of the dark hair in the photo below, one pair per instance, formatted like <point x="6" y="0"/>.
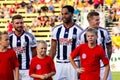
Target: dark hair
<point x="91" y="14"/>
<point x="16" y="17"/>
<point x="70" y="8"/>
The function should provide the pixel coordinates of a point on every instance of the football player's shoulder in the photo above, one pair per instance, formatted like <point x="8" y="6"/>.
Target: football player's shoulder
<point x="76" y="25"/>
<point x="29" y="34"/>
<point x="99" y="47"/>
<point x="103" y="29"/>
<point x="11" y="33"/>
<point x="11" y="51"/>
<point x="57" y="26"/>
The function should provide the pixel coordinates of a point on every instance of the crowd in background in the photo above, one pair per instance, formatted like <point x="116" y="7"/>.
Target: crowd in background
<point x="110" y="7"/>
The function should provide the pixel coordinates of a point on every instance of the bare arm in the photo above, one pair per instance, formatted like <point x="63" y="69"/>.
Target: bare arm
<point x="16" y="73"/>
<point x="34" y="52"/>
<point x="106" y="72"/>
<point x="49" y="75"/>
<point x="53" y="49"/>
<point x="37" y="76"/>
<point x="80" y="70"/>
<point x="44" y="76"/>
<point x="109" y="49"/>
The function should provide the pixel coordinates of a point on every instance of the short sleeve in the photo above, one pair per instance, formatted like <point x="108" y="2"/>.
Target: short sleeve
<point x="104" y="58"/>
<point x="31" y="70"/>
<point x="14" y="60"/>
<point x="52" y="65"/>
<point x="54" y="32"/>
<point x="33" y="42"/>
<point x="75" y="52"/>
<point x="108" y="37"/>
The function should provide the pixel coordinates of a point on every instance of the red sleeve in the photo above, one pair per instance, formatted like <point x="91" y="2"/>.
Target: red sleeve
<point x="31" y="70"/>
<point x="75" y="52"/>
<point x="53" y="40"/>
<point x="15" y="59"/>
<point x="104" y="57"/>
<point x="52" y="65"/>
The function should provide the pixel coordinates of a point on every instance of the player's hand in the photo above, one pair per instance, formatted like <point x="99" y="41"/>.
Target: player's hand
<point x="46" y="76"/>
<point x="80" y="70"/>
<point x="42" y="77"/>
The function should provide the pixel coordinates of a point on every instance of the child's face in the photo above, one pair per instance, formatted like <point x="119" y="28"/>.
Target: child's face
<point x="41" y="49"/>
<point x="4" y="40"/>
<point x="91" y="37"/>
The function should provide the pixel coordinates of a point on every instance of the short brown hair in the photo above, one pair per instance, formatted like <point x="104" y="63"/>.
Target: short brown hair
<point x="91" y="14"/>
<point x="16" y="17"/>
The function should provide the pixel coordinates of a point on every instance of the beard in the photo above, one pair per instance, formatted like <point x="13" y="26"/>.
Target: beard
<point x="19" y="30"/>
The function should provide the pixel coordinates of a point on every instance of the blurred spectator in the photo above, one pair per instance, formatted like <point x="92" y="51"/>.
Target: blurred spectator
<point x="76" y="13"/>
<point x="1" y="13"/>
<point x="113" y="13"/>
<point x="47" y="1"/>
<point x="10" y="26"/>
<point x="97" y="3"/>
<point x="35" y="23"/>
<point x="116" y="30"/>
<point x="28" y="28"/>
<point x="16" y="5"/>
<point x="44" y="8"/>
<point x="36" y="7"/>
<point x="5" y="10"/>
<point x="59" y="18"/>
<point x="23" y="4"/>
<point x="42" y="1"/>
<point x="51" y="22"/>
<point x="30" y="8"/>
<point x="118" y="13"/>
<point x="51" y="7"/>
<point x="46" y="18"/>
<point x="41" y="20"/>
<point x="11" y="10"/>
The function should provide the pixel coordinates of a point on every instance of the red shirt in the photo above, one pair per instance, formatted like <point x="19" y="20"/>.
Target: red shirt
<point x="41" y="66"/>
<point x="90" y="60"/>
<point x="10" y="27"/>
<point x="8" y="62"/>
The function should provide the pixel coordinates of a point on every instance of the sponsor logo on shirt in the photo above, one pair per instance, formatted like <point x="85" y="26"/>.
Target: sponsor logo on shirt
<point x="65" y="41"/>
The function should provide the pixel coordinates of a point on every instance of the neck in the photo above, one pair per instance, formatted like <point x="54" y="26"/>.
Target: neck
<point x="3" y="49"/>
<point x="91" y="45"/>
<point x="68" y="25"/>
<point x="41" y="56"/>
<point x="18" y="33"/>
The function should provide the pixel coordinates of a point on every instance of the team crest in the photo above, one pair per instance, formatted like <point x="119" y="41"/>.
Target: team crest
<point x="83" y="55"/>
<point x="38" y="67"/>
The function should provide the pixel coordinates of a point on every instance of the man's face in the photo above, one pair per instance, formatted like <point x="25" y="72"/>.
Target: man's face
<point x="94" y="21"/>
<point x="18" y="25"/>
<point x="66" y="15"/>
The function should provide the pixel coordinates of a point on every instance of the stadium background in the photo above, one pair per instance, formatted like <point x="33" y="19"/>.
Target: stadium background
<point x="41" y="15"/>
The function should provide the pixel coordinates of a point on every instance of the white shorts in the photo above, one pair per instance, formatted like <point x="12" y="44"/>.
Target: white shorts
<point x="102" y="74"/>
<point x="65" y="71"/>
<point x="24" y="75"/>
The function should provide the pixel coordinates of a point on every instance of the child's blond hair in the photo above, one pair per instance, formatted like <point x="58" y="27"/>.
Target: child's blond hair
<point x="2" y="33"/>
